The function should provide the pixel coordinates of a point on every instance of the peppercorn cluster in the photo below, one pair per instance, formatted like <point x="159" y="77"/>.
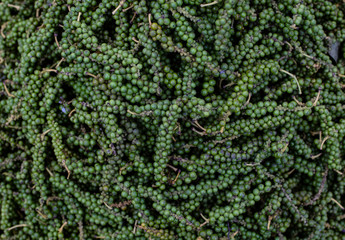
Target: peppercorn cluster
<point x="172" y="119"/>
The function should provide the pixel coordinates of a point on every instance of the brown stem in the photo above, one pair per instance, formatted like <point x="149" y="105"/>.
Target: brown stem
<point x="135" y="226"/>
<point x="50" y="173"/>
<point x="126" y="9"/>
<point x="294" y="77"/>
<point x="323" y="142"/>
<point x="71" y="112"/>
<point x="135" y="14"/>
<point x="335" y="201"/>
<point x="198" y="132"/>
<point x="118" y="7"/>
<point x="81" y="233"/>
<point x="269" y="222"/>
<point x="195" y="123"/>
<point x="234" y="234"/>
<point x="133" y="113"/>
<point x="62" y="59"/>
<point x="107" y="205"/>
<point x="52" y="199"/>
<point x="315" y="156"/>
<point x="150" y="23"/>
<point x="291" y="172"/>
<point x="208" y="4"/>
<point x="91" y="75"/>
<point x="14" y="6"/>
<point x="285" y="147"/>
<point x="44" y="133"/>
<point x="41" y="214"/>
<point x="178" y="174"/>
<point x="56" y="41"/>
<point x="135" y="40"/>
<point x="65" y="166"/>
<point x="8" y="93"/>
<point x="17" y="226"/>
<point x="61" y="228"/>
<point x="79" y="14"/>
<point x="205" y="219"/>
<point x="229" y="85"/>
<point x="317" y="98"/>
<point x="3" y="26"/>
<point x="248" y="100"/>
<point x="173" y="168"/>
<point x="298" y="102"/>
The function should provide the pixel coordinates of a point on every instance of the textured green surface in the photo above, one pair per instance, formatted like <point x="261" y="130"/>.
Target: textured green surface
<point x="169" y="119"/>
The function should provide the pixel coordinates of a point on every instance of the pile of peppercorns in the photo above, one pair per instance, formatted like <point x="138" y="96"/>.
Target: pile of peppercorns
<point x="172" y="119"/>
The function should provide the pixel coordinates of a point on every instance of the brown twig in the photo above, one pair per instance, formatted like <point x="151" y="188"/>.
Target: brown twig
<point x="315" y="156"/>
<point x="285" y="147"/>
<point x="61" y="228"/>
<point x="135" y="14"/>
<point x="337" y="203"/>
<point x="178" y="174"/>
<point x="208" y="4"/>
<point x="298" y="102"/>
<point x="198" y="132"/>
<point x="150" y="23"/>
<point x="65" y="166"/>
<point x="229" y="85"/>
<point x="6" y="90"/>
<point x="195" y="122"/>
<point x="81" y="233"/>
<point x="173" y="168"/>
<point x="50" y="173"/>
<point x="71" y="112"/>
<point x="41" y="214"/>
<point x="79" y="14"/>
<point x="56" y="41"/>
<point x="91" y="75"/>
<point x="3" y="26"/>
<point x="14" y="6"/>
<point x="44" y="133"/>
<point x="47" y="70"/>
<point x="135" y="40"/>
<point x="206" y="221"/>
<point x="294" y="77"/>
<point x="317" y="98"/>
<point x="126" y="9"/>
<point x="234" y="234"/>
<point x="291" y="171"/>
<point x="248" y="100"/>
<point x="107" y="205"/>
<point x="135" y="226"/>
<point x="52" y="199"/>
<point x="323" y="142"/>
<point x="62" y="59"/>
<point x="133" y="113"/>
<point x="269" y="222"/>
<point x="17" y="226"/>
<point x="118" y="7"/>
